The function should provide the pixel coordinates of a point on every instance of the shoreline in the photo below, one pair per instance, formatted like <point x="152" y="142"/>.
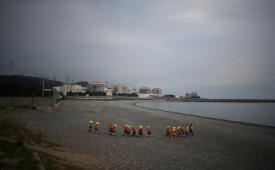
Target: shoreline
<point x="205" y="117"/>
<point x="224" y="100"/>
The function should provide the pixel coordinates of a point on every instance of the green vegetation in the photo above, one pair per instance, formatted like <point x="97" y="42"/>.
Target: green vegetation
<point x="70" y="93"/>
<point x="126" y="94"/>
<point x="97" y="93"/>
<point x="169" y="95"/>
<point x="15" y="156"/>
<point x="18" y="132"/>
<point x="13" y="153"/>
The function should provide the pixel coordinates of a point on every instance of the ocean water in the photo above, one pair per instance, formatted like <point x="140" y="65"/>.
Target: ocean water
<point x="256" y="113"/>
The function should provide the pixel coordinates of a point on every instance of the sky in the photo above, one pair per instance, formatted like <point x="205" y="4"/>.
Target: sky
<point x="220" y="49"/>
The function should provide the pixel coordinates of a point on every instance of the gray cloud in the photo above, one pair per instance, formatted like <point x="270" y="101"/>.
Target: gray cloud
<point x="218" y="48"/>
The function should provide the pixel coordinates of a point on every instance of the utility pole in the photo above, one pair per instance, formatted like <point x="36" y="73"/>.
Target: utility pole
<point x="54" y="100"/>
<point x="43" y="85"/>
<point x="67" y="83"/>
<point x="73" y="84"/>
<point x="11" y="67"/>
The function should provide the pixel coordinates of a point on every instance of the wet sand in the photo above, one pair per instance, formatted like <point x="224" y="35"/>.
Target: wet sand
<point x="216" y="144"/>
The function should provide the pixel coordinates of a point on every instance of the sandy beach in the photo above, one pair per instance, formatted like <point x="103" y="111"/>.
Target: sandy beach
<point x="216" y="144"/>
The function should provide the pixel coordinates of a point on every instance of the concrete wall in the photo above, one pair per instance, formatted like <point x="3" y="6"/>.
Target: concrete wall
<point x="45" y="103"/>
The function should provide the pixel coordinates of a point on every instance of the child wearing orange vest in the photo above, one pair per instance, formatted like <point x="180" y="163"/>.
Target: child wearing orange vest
<point x="134" y="131"/>
<point x="140" y="131"/>
<point x="110" y="129"/>
<point x="174" y="131"/>
<point x="90" y="125"/>
<point x="96" y="127"/>
<point x="125" y="130"/>
<point x="128" y="132"/>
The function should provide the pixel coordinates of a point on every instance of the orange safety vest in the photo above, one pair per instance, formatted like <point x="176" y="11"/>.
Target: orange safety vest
<point x="114" y="129"/>
<point x="168" y="132"/>
<point x="149" y="132"/>
<point x="96" y="126"/>
<point x="125" y="129"/>
<point x="110" y="127"/>
<point x="128" y="131"/>
<point x="134" y="131"/>
<point x="140" y="131"/>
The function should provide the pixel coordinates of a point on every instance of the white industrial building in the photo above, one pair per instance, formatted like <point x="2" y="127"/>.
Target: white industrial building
<point x="145" y="90"/>
<point x="192" y="95"/>
<point x="109" y="91"/>
<point x="144" y="96"/>
<point x="65" y="88"/>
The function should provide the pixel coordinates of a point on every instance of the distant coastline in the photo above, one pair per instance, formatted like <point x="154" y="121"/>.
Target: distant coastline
<point x="225" y="100"/>
<point x="213" y="110"/>
<point x="171" y="99"/>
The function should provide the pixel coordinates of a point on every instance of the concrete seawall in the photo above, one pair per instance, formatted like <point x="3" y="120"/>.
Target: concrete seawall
<point x="101" y="98"/>
<point x="40" y="103"/>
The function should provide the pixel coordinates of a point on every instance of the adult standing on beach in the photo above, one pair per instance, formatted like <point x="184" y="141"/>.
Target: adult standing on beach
<point x="168" y="131"/>
<point x="187" y="130"/>
<point x="191" y="129"/>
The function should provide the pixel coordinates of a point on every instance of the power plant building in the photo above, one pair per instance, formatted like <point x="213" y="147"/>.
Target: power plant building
<point x="96" y="86"/>
<point x="120" y="88"/>
<point x="156" y="91"/>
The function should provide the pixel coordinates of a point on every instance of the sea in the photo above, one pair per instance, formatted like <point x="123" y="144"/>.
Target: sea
<point x="255" y="113"/>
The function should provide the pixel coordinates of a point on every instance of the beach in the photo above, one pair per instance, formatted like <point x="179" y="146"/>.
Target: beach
<point x="216" y="144"/>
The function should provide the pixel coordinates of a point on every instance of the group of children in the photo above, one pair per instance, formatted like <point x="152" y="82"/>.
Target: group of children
<point x="128" y="130"/>
<point x="139" y="131"/>
<point x="176" y="131"/>
<point x="96" y="128"/>
<point x="136" y="131"/>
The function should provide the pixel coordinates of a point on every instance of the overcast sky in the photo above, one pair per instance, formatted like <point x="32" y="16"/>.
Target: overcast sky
<point x="222" y="49"/>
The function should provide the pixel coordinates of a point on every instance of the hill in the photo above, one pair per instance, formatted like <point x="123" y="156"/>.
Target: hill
<point x="17" y="85"/>
<point x="82" y="83"/>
